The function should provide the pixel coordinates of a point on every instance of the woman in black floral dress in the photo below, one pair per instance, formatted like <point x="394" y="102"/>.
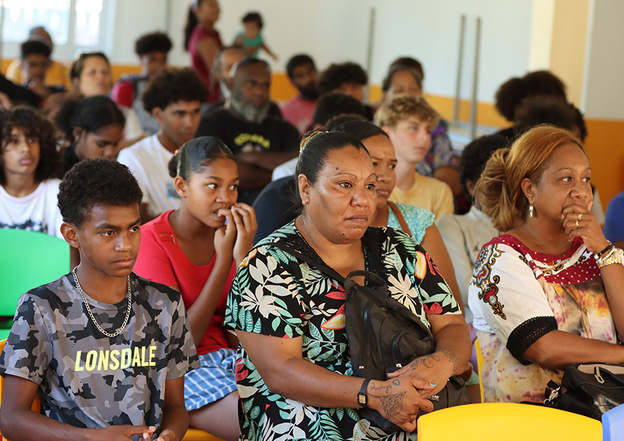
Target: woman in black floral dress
<point x="293" y="370"/>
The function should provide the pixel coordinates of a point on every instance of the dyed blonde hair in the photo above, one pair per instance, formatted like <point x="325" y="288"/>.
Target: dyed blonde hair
<point x="499" y="190"/>
<point x="403" y="106"/>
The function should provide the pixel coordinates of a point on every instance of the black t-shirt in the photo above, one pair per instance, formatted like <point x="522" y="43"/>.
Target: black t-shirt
<point x="275" y="206"/>
<point x="272" y="135"/>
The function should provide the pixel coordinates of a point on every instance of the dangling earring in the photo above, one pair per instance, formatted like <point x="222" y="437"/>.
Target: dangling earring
<point x="531" y="210"/>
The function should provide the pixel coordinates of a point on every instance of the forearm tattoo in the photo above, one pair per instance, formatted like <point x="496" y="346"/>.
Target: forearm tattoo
<point x="452" y="358"/>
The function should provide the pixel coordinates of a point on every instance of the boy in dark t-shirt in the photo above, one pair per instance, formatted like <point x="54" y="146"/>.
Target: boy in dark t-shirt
<point x="105" y="350"/>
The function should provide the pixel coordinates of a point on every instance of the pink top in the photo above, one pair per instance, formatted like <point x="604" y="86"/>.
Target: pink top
<point x="200" y="33"/>
<point x="299" y="113"/>
<point x="161" y="260"/>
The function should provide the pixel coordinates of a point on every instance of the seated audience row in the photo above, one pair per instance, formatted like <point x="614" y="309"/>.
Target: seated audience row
<point x="358" y="196"/>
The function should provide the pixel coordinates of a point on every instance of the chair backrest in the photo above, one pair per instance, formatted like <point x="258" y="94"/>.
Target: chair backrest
<point x="613" y="424"/>
<point x="480" y="367"/>
<point x="36" y="403"/>
<point x="28" y="259"/>
<point x="506" y="421"/>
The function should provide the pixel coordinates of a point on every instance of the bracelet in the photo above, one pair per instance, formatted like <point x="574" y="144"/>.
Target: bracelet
<point x="603" y="252"/>
<point x="615" y="255"/>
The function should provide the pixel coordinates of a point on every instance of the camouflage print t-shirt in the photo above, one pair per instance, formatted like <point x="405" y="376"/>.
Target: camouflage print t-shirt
<point x="87" y="379"/>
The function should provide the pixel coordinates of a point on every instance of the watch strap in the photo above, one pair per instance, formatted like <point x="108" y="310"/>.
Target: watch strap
<point x="362" y="398"/>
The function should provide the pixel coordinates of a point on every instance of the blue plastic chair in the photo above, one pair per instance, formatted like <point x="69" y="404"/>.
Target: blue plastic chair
<point x="28" y="259"/>
<point x="613" y="424"/>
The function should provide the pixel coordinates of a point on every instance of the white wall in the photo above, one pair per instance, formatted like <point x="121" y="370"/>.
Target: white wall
<point x="603" y="86"/>
<point x="337" y="30"/>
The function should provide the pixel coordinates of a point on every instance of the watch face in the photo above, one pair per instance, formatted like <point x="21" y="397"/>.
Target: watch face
<point x="362" y="399"/>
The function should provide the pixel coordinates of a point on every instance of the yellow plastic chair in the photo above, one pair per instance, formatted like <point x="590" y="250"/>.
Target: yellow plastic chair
<point x="199" y="435"/>
<point x="508" y="422"/>
<point x="191" y="434"/>
<point x="480" y="367"/>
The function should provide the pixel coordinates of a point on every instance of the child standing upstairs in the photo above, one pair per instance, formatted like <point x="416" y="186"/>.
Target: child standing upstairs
<point x="29" y="160"/>
<point x="105" y="350"/>
<point x="250" y="39"/>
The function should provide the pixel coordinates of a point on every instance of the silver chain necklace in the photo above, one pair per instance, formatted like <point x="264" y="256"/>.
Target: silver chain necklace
<point x="95" y="322"/>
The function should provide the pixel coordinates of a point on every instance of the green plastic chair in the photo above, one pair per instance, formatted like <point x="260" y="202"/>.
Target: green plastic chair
<point x="27" y="260"/>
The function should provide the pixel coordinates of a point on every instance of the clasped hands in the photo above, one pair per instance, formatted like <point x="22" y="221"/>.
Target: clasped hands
<point x="404" y="396"/>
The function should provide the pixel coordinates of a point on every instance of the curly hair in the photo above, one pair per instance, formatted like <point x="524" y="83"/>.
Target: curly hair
<point x="93" y="182"/>
<point x="171" y="85"/>
<point x="499" y="189"/>
<point x="152" y="42"/>
<point x="36" y="125"/>
<point x="402" y="107"/>
<point x="511" y="93"/>
<point x="337" y="74"/>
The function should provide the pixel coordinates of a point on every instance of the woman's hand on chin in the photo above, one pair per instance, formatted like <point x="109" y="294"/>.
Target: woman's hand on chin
<point x="398" y="399"/>
<point x="579" y="221"/>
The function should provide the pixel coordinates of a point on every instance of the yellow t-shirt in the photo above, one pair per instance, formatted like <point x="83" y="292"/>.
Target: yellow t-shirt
<point x="57" y="74"/>
<point x="429" y="193"/>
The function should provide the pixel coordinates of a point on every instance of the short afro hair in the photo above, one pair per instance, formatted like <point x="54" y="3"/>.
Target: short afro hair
<point x="36" y="125"/>
<point x="511" y="93"/>
<point x="171" y="85"/>
<point x="334" y="104"/>
<point x="96" y="182"/>
<point x="338" y="74"/>
<point x="153" y="42"/>
<point x="543" y="109"/>
<point x="253" y="17"/>
<point x="34" y="46"/>
<point x="296" y="61"/>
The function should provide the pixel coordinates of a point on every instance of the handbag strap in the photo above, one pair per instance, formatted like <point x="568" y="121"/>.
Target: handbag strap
<point x="316" y="263"/>
<point x="397" y="212"/>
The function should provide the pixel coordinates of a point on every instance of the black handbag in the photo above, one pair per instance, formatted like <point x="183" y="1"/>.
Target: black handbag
<point x="384" y="336"/>
<point x="589" y="389"/>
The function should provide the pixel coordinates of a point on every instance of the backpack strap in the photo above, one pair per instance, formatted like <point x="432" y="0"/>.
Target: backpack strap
<point x="400" y="218"/>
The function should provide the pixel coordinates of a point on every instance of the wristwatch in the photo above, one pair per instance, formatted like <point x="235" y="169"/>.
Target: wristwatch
<point x="362" y="397"/>
<point x="615" y="255"/>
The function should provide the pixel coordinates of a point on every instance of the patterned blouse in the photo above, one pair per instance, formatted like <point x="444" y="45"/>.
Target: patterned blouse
<point x="276" y="295"/>
<point x="517" y="296"/>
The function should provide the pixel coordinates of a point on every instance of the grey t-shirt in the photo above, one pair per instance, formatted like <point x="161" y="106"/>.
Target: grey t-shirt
<point x="87" y="379"/>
